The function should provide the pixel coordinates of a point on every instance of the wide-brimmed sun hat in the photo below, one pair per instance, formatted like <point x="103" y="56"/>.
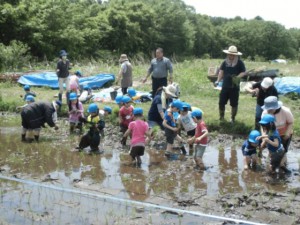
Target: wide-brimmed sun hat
<point x="267" y="82"/>
<point x="271" y="102"/>
<point x="123" y="58"/>
<point x="170" y="90"/>
<point x="232" y="50"/>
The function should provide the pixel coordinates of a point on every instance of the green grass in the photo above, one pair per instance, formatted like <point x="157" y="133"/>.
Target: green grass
<point x="195" y="89"/>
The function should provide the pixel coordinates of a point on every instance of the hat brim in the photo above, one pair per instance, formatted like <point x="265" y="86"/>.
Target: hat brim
<point x="232" y="53"/>
<point x="279" y="104"/>
<point x="169" y="93"/>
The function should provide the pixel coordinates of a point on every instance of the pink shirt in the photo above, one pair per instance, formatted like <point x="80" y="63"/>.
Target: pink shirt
<point x="74" y="116"/>
<point x="200" y="129"/>
<point x="74" y="80"/>
<point x="138" y="130"/>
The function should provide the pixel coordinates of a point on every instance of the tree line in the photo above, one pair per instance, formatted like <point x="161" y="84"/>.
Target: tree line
<point x="103" y="29"/>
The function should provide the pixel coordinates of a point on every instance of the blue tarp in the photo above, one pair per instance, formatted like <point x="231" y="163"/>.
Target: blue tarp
<point x="49" y="79"/>
<point x="286" y="85"/>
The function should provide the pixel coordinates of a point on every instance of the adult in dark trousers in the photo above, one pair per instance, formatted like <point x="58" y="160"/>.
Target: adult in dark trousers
<point x="231" y="70"/>
<point x="160" y="68"/>
<point x="36" y="114"/>
<point x="125" y="74"/>
<point x="62" y="71"/>
<point x="159" y="104"/>
<point x="261" y="90"/>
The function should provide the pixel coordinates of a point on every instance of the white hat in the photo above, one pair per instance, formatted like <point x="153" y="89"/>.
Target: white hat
<point x="232" y="50"/>
<point x="267" y="82"/>
<point x="170" y="90"/>
<point x="271" y="102"/>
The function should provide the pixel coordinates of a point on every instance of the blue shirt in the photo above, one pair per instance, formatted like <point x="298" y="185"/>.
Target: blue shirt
<point x="248" y="149"/>
<point x="169" y="117"/>
<point x="272" y="137"/>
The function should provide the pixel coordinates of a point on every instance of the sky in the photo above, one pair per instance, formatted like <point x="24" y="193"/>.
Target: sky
<point x="284" y="12"/>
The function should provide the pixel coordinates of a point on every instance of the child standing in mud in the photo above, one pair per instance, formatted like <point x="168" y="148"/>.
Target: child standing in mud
<point x="249" y="149"/>
<point x="138" y="129"/>
<point x="75" y="113"/>
<point x="169" y="123"/>
<point x="125" y="116"/>
<point x="271" y="139"/>
<point x="200" y="139"/>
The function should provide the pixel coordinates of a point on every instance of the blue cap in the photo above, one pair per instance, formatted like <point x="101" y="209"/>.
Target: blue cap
<point x="131" y="92"/>
<point x="253" y="135"/>
<point x="177" y="104"/>
<point x="85" y="87"/>
<point x="126" y="99"/>
<point x="186" y="105"/>
<point x="78" y="73"/>
<point x="107" y="108"/>
<point x="268" y="118"/>
<point x="26" y="87"/>
<point x="197" y="113"/>
<point x="93" y="108"/>
<point x="118" y="99"/>
<point x="137" y="111"/>
<point x="29" y="98"/>
<point x="73" y="96"/>
<point x="63" y="53"/>
<point x="57" y="102"/>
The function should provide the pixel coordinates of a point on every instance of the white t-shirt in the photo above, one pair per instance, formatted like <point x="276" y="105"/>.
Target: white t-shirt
<point x="187" y="121"/>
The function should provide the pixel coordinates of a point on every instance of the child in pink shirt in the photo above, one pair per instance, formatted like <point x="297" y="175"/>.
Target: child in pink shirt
<point x="125" y="116"/>
<point x="74" y="82"/>
<point x="138" y="129"/>
<point x="75" y="112"/>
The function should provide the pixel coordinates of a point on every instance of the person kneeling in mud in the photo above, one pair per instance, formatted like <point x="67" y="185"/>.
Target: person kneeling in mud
<point x="200" y="139"/>
<point x="96" y="125"/>
<point x="271" y="139"/>
<point x="249" y="149"/>
<point x="138" y="129"/>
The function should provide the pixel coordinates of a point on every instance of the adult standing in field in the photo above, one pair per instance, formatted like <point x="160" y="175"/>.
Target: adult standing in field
<point x="125" y="74"/>
<point x="161" y="68"/>
<point x="62" y="71"/>
<point x="231" y="70"/>
<point x="36" y="114"/>
<point x="262" y="90"/>
<point x="284" y="119"/>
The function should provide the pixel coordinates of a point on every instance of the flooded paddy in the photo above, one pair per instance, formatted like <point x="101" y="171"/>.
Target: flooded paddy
<point x="50" y="183"/>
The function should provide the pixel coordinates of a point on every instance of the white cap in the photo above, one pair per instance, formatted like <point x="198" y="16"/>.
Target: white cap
<point x="267" y="82"/>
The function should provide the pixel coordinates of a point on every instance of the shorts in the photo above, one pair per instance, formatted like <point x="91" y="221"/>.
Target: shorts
<point x="137" y="151"/>
<point x="170" y="135"/>
<point x="191" y="133"/>
<point x="276" y="157"/>
<point x="199" y="151"/>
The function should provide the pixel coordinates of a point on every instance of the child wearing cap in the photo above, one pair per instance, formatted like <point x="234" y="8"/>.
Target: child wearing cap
<point x="249" y="149"/>
<point x="125" y="115"/>
<point x="86" y="94"/>
<point x="138" y="129"/>
<point x="169" y="123"/>
<point x="29" y="99"/>
<point x="95" y="125"/>
<point x="27" y="92"/>
<point x="74" y="82"/>
<point x="119" y="100"/>
<point x="200" y="139"/>
<point x="271" y="139"/>
<point x="75" y="112"/>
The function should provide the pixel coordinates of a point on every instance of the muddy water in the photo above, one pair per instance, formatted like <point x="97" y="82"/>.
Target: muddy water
<point x="159" y="180"/>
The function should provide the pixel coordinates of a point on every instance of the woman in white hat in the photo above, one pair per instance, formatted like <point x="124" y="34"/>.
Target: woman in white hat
<point x="284" y="119"/>
<point x="262" y="90"/>
<point x="231" y="70"/>
<point x="125" y="74"/>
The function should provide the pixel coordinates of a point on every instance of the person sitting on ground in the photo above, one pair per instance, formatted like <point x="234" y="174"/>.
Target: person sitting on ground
<point x="29" y="99"/>
<point x="36" y="114"/>
<point x="75" y="113"/>
<point x="95" y="125"/>
<point x="125" y="115"/>
<point x="200" y="139"/>
<point x="249" y="149"/>
<point x="27" y="92"/>
<point x="138" y="129"/>
<point x="262" y="90"/>
<point x="271" y="139"/>
<point x="86" y="94"/>
<point x="74" y="82"/>
<point x="169" y="123"/>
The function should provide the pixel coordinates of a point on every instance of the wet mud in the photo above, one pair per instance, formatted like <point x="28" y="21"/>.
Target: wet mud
<point x="82" y="180"/>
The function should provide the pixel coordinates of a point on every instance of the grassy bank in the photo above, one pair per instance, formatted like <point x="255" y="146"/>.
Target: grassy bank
<point x="195" y="89"/>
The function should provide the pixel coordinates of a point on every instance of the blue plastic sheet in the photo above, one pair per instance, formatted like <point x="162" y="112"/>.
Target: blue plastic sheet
<point x="286" y="85"/>
<point x="49" y="79"/>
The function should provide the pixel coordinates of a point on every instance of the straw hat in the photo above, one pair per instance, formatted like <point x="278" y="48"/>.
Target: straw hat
<point x="232" y="50"/>
<point x="123" y="58"/>
<point x="170" y="90"/>
<point x="271" y="102"/>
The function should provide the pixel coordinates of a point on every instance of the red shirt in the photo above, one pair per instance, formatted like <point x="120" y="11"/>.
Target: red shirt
<point x="200" y="129"/>
<point x="126" y="115"/>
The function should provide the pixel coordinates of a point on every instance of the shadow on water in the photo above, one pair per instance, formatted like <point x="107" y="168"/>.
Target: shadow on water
<point x="157" y="180"/>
